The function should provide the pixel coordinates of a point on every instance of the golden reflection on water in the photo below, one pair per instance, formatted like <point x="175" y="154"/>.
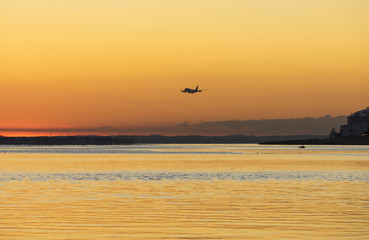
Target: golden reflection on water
<point x="183" y="209"/>
<point x="193" y="162"/>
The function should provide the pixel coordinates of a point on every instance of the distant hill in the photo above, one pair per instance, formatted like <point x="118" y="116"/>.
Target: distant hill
<point x="218" y="139"/>
<point x="263" y="127"/>
<point x="363" y="140"/>
<point x="266" y="127"/>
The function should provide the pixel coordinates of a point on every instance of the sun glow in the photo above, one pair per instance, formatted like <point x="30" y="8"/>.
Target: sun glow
<point x="122" y="64"/>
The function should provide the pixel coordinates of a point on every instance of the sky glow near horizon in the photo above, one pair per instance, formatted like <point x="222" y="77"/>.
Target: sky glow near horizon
<point x="82" y="64"/>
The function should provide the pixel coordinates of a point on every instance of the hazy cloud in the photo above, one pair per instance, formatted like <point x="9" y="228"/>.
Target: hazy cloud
<point x="185" y="124"/>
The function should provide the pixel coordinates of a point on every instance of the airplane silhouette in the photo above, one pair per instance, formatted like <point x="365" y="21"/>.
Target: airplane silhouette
<point x="192" y="91"/>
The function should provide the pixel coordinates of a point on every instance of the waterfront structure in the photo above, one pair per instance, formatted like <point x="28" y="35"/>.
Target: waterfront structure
<point x="357" y="124"/>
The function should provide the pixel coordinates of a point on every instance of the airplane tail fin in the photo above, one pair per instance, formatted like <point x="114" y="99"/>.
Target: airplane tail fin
<point x="197" y="88"/>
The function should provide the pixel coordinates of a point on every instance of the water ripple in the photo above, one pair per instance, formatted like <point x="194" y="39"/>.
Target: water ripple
<point x="190" y="176"/>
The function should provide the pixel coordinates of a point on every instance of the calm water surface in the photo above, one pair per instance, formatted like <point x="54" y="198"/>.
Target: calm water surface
<point x="237" y="191"/>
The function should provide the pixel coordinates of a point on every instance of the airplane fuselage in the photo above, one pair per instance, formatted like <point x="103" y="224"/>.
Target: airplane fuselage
<point x="191" y="91"/>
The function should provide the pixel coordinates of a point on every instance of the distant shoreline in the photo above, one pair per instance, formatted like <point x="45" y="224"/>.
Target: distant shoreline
<point x="192" y="139"/>
<point x="152" y="139"/>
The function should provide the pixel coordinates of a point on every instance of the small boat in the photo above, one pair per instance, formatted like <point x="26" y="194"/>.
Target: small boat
<point x="302" y="146"/>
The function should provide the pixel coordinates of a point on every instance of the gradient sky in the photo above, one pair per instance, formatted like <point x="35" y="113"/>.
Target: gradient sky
<point x="90" y="63"/>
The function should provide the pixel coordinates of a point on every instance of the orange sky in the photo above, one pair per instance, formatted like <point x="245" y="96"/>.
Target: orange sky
<point x="89" y="63"/>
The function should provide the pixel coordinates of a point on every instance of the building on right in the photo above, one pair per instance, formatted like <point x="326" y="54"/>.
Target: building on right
<point x="357" y="124"/>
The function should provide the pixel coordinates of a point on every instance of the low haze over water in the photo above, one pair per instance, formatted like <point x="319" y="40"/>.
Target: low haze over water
<point x="184" y="191"/>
